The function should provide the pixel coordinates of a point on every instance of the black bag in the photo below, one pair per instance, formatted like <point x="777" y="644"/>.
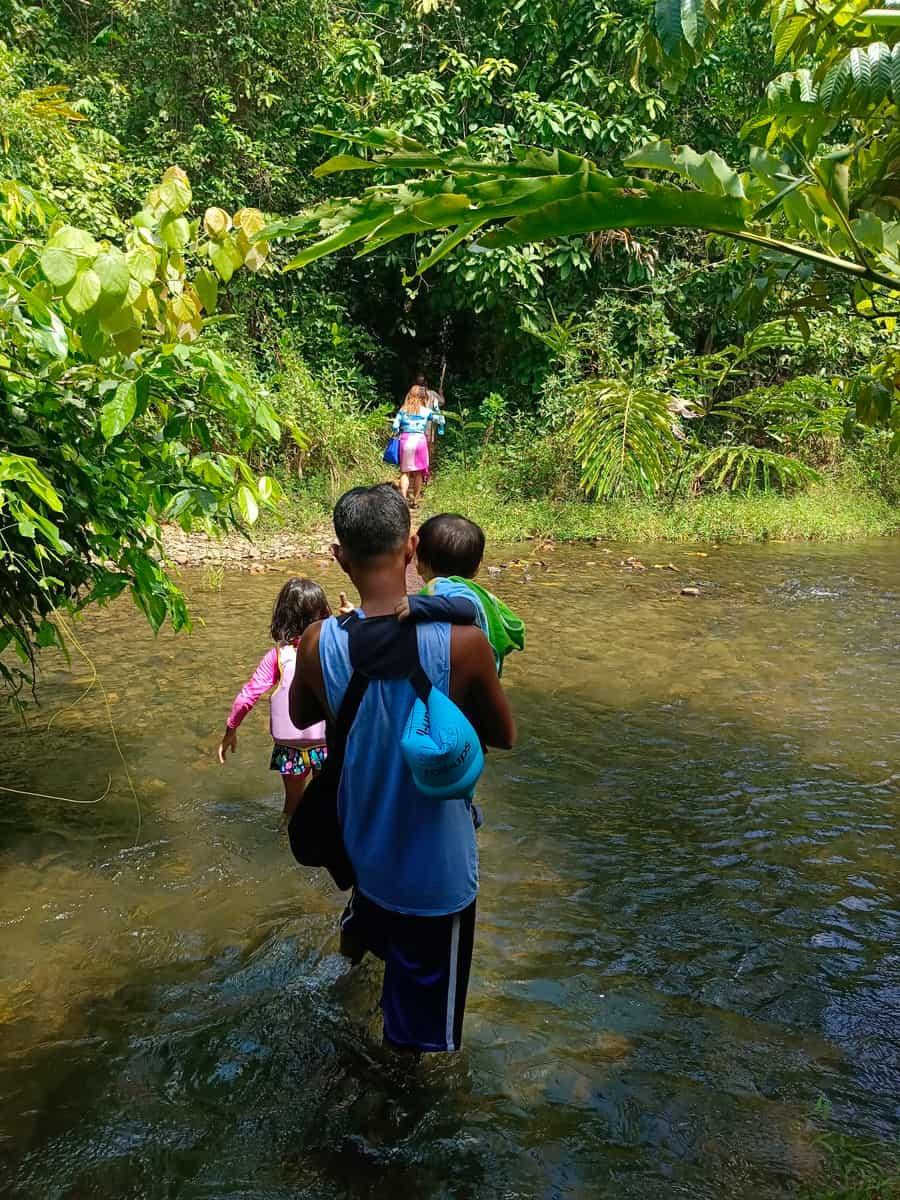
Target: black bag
<point x="380" y="648"/>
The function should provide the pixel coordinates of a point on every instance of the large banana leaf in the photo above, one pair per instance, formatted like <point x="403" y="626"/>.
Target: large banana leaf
<point x="540" y="195"/>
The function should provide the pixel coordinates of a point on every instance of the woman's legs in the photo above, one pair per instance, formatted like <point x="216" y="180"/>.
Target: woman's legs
<point x="404" y="484"/>
<point x="416" y="477"/>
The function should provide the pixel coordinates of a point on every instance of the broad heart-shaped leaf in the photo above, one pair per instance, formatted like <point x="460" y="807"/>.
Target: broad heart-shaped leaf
<point x="650" y="206"/>
<point x="59" y="265"/>
<point x="207" y="289"/>
<point x="247" y="504"/>
<point x="708" y="171"/>
<point x="226" y="257"/>
<point x="111" y="269"/>
<point x="175" y="191"/>
<point x="116" y="413"/>
<point x="76" y="240"/>
<point x="142" y="264"/>
<point x="216" y="222"/>
<point x="250" y="220"/>
<point x="174" y="231"/>
<point x="84" y="292"/>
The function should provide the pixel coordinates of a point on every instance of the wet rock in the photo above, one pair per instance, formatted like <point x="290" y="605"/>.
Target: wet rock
<point x="690" y="591"/>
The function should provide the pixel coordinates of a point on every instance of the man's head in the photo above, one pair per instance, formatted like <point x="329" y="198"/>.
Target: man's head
<point x="420" y="381"/>
<point x="372" y="526"/>
<point x="450" y="544"/>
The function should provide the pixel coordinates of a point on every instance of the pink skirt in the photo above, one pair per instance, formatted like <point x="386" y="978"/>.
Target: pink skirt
<point x="413" y="452"/>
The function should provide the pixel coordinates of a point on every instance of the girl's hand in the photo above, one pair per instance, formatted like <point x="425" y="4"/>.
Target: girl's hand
<point x="346" y="607"/>
<point x="228" y="742"/>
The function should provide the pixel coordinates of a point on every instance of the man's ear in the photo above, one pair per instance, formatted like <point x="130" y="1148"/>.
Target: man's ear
<point x="411" y="547"/>
<point x="338" y="553"/>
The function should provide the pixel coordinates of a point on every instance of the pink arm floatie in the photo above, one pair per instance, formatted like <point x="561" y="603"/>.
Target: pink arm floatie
<point x="261" y="681"/>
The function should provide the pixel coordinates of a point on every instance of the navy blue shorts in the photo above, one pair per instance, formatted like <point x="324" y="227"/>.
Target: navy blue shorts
<point x="426" y="970"/>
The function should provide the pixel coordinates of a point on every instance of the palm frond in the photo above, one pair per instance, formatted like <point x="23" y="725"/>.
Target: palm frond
<point x="742" y="467"/>
<point x="623" y="438"/>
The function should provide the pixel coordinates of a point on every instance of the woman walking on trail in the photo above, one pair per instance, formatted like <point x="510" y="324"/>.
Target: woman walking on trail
<point x="411" y="423"/>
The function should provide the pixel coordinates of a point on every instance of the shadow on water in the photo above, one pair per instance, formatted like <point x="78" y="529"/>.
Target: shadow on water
<point x="688" y="925"/>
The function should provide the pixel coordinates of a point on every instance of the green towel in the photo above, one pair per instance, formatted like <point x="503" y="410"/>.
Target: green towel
<point x="506" y="631"/>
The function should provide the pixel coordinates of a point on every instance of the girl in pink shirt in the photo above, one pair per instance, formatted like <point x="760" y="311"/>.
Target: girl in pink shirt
<point x="298" y="753"/>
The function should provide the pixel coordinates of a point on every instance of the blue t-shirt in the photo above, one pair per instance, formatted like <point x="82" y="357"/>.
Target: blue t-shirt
<point x="407" y="422"/>
<point x="411" y="853"/>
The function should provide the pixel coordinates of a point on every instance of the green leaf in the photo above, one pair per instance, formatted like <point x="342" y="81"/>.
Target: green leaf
<point x="343" y="162"/>
<point x="59" y="265"/>
<point x="84" y="292"/>
<point x="226" y="257"/>
<point x="661" y="207"/>
<point x="48" y="331"/>
<point x="142" y="265"/>
<point x="207" y="289"/>
<point x="175" y="191"/>
<point x="117" y="413"/>
<point x="76" y="240"/>
<point x="247" y="504"/>
<point x="174" y="231"/>
<point x="680" y="21"/>
<point x="882" y="17"/>
<point x="708" y="171"/>
<point x="111" y="269"/>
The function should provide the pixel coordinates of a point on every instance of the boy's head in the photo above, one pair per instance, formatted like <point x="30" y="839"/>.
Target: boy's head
<point x="450" y="544"/>
<point x="371" y="523"/>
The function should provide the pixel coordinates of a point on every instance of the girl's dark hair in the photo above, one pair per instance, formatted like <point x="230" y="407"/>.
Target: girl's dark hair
<point x="451" y="545"/>
<point x="299" y="603"/>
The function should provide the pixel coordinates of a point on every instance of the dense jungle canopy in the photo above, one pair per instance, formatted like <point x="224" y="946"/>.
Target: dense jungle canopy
<point x="655" y="243"/>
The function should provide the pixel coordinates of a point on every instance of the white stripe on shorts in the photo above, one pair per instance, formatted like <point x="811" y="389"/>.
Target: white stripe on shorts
<point x="451" y="989"/>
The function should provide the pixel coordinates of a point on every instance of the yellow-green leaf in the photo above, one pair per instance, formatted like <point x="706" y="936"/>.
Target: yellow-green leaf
<point x="116" y="413"/>
<point x="84" y="292"/>
<point x="207" y="289"/>
<point x="216" y="222"/>
<point x="247" y="503"/>
<point x="59" y="265"/>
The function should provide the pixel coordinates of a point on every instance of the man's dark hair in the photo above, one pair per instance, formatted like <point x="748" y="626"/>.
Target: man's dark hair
<point x="420" y="380"/>
<point x="451" y="545"/>
<point x="370" y="521"/>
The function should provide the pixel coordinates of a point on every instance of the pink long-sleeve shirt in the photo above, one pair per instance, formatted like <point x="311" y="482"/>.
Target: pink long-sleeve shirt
<point x="261" y="681"/>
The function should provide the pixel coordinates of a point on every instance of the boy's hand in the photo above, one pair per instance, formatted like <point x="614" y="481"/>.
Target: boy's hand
<point x="345" y="605"/>
<point x="401" y="612"/>
<point x="228" y="742"/>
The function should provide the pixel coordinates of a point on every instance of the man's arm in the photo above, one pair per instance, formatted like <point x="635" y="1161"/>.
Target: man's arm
<point x="307" y="703"/>
<point x="474" y="686"/>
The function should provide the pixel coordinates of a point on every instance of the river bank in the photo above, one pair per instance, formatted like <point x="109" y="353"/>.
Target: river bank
<point x="300" y="527"/>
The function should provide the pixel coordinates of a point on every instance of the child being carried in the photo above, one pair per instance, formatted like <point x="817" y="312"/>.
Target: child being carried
<point x="448" y="556"/>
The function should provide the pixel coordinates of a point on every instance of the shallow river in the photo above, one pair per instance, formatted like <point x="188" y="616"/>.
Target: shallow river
<point x="688" y="928"/>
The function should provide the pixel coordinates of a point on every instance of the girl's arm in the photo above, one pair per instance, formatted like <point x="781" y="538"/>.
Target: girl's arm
<point x="395" y="424"/>
<point x="261" y="681"/>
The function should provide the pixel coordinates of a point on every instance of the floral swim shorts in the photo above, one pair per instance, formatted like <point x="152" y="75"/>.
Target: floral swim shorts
<point x="291" y="760"/>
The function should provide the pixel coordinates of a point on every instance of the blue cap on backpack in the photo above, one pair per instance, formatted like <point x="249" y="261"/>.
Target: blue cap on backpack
<point x="441" y="748"/>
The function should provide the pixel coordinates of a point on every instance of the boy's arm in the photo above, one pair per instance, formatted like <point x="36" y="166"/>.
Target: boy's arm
<point x="306" y="701"/>
<point x="456" y="610"/>
<point x="474" y="686"/>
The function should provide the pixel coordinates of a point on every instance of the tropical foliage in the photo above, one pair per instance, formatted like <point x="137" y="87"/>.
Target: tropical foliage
<point x="112" y="406"/>
<point x="618" y="311"/>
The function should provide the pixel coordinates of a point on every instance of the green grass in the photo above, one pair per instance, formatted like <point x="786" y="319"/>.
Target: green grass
<point x="835" y="510"/>
<point x="831" y="511"/>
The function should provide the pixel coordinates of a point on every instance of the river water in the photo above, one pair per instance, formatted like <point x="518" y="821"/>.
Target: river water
<point x="688" y="928"/>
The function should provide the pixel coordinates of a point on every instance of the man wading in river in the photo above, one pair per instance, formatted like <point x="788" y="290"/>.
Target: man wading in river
<point x="414" y="856"/>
